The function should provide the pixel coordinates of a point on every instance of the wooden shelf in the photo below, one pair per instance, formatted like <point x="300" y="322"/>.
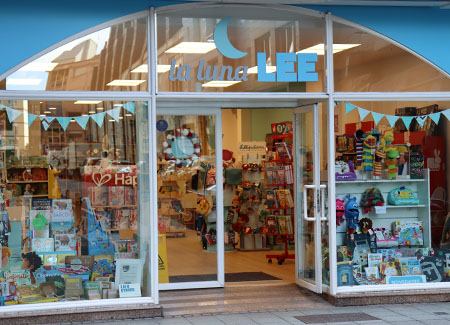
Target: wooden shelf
<point x="119" y="229"/>
<point x="279" y="184"/>
<point x="35" y="195"/>
<point x="380" y="181"/>
<point x="26" y="182"/>
<point x="114" y="206"/>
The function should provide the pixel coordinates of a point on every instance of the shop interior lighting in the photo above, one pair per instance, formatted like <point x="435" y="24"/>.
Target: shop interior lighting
<point x="120" y="117"/>
<point x="117" y="104"/>
<point x="113" y="120"/>
<point x="319" y="49"/>
<point x="85" y="114"/>
<point x="47" y="112"/>
<point x="254" y="70"/>
<point x="72" y="120"/>
<point x="88" y="102"/>
<point x="92" y="112"/>
<point x="220" y="83"/>
<point x="39" y="67"/>
<point x="42" y="115"/>
<point x="192" y="48"/>
<point x="123" y="82"/>
<point x="161" y="68"/>
<point x="23" y="82"/>
<point x="128" y="115"/>
<point x="52" y="108"/>
<point x="100" y="108"/>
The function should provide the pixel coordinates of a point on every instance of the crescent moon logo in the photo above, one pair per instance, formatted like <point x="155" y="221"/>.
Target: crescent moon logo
<point x="223" y="43"/>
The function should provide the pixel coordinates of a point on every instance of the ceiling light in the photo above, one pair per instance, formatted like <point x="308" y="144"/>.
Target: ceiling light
<point x="192" y="47"/>
<point x="143" y="68"/>
<point x="118" y="105"/>
<point x="40" y="102"/>
<point x="52" y="108"/>
<point x="47" y="112"/>
<point x="39" y="66"/>
<point x="120" y="82"/>
<point x="254" y="70"/>
<point x="42" y="115"/>
<point x="319" y="49"/>
<point x="100" y="108"/>
<point x="128" y="115"/>
<point x="112" y="120"/>
<point x="88" y="102"/>
<point x="72" y="120"/>
<point x="85" y="114"/>
<point x="92" y="112"/>
<point x="23" y="82"/>
<point x="219" y="83"/>
<point x="120" y="117"/>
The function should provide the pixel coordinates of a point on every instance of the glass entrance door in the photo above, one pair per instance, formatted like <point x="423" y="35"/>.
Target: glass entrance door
<point x="310" y="189"/>
<point x="190" y="214"/>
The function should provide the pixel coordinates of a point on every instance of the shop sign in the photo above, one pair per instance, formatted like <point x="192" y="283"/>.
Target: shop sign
<point x="290" y="67"/>
<point x="129" y="290"/>
<point x="282" y="130"/>
<point x="113" y="176"/>
<point x="252" y="147"/>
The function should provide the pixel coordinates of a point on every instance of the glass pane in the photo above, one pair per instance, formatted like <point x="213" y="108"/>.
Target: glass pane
<point x="74" y="215"/>
<point x="364" y="62"/>
<point x="391" y="192"/>
<point x="196" y="55"/>
<point x="304" y="153"/>
<point x="112" y="59"/>
<point x="187" y="197"/>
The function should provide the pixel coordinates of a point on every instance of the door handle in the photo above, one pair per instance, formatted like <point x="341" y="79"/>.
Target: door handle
<point x="322" y="199"/>
<point x="305" y="202"/>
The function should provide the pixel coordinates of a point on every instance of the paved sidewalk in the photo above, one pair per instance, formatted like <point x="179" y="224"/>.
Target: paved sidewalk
<point x="408" y="314"/>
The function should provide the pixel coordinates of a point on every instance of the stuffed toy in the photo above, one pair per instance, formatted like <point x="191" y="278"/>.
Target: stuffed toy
<point x="344" y="171"/>
<point x="391" y="161"/>
<point x="369" y="144"/>
<point x="380" y="155"/>
<point x="340" y="211"/>
<point x="359" y="139"/>
<point x="351" y="214"/>
<point x="365" y="224"/>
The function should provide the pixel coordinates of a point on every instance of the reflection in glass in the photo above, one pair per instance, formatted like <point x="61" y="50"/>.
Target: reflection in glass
<point x="108" y="60"/>
<point x="187" y="198"/>
<point x="71" y="199"/>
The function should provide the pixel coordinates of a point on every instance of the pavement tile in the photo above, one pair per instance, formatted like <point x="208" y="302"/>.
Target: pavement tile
<point x="204" y="320"/>
<point x="435" y="321"/>
<point x="237" y="319"/>
<point x="141" y="322"/>
<point x="393" y="318"/>
<point x="173" y="320"/>
<point x="413" y="322"/>
<point x="425" y="316"/>
<point x="263" y="318"/>
<point x="372" y="322"/>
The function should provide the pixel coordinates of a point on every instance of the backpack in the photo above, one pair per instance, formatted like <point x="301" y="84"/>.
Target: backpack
<point x="370" y="198"/>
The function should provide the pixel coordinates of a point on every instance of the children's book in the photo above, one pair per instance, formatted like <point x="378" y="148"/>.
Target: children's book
<point x="99" y="196"/>
<point x="284" y="226"/>
<point x="284" y="198"/>
<point x="281" y="175"/>
<point x="390" y="268"/>
<point x="270" y="199"/>
<point x="372" y="273"/>
<point x="116" y="195"/>
<point x="62" y="204"/>
<point x="130" y="195"/>
<point x="410" y="266"/>
<point x="41" y="203"/>
<point x="40" y="223"/>
<point x="66" y="242"/>
<point x="409" y="233"/>
<point x="42" y="245"/>
<point x="271" y="222"/>
<point x="374" y="259"/>
<point x="360" y="254"/>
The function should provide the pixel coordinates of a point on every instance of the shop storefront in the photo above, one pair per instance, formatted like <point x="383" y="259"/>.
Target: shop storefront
<point x="328" y="131"/>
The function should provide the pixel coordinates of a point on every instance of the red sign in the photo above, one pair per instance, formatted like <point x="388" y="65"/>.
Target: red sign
<point x="282" y="130"/>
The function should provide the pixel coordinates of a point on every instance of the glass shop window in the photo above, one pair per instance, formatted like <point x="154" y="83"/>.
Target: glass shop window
<point x="73" y="200"/>
<point x="392" y="182"/>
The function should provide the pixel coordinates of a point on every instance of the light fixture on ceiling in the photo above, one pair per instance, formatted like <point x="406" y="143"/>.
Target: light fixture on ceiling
<point x="118" y="105"/>
<point x="72" y="120"/>
<point x="254" y="70"/>
<point x="192" y="48"/>
<point x="128" y="115"/>
<point x="319" y="49"/>
<point x="161" y="68"/>
<point x="85" y="114"/>
<point x="100" y="108"/>
<point x="22" y="82"/>
<point x="88" y="102"/>
<point x="112" y="120"/>
<point x="120" y="117"/>
<point x="43" y="115"/>
<point x="92" y="112"/>
<point x="52" y="108"/>
<point x="220" y="83"/>
<point x="47" y="112"/>
<point x="39" y="67"/>
<point x="123" y="82"/>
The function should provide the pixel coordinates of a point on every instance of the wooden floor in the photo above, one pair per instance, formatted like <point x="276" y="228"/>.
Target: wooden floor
<point x="187" y="257"/>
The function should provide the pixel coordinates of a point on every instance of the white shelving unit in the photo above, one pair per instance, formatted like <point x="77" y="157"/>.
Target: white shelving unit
<point x="420" y="212"/>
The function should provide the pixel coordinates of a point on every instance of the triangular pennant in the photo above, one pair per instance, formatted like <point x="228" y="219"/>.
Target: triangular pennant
<point x="12" y="113"/>
<point x="45" y="124"/>
<point x="392" y="119"/>
<point x="363" y="113"/>
<point x="447" y="114"/>
<point x="435" y="117"/>
<point x="377" y="117"/>
<point x="42" y="118"/>
<point x="64" y="121"/>
<point x="421" y="119"/>
<point x="98" y="118"/>
<point x="82" y="121"/>
<point x="31" y="118"/>
<point x="407" y="120"/>
<point x="49" y="119"/>
<point x="114" y="113"/>
<point x="130" y="107"/>
<point x="349" y="107"/>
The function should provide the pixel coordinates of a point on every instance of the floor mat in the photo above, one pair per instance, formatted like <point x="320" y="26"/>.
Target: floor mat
<point x="229" y="277"/>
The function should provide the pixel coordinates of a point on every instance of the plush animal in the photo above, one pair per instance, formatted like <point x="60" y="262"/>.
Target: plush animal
<point x="359" y="137"/>
<point x="340" y="211"/>
<point x="344" y="171"/>
<point x="380" y="155"/>
<point x="370" y="198"/>
<point x="391" y="161"/>
<point x="365" y="224"/>
<point x="351" y="214"/>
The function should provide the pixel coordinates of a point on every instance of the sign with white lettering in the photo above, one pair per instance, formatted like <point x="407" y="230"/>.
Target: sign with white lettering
<point x="252" y="147"/>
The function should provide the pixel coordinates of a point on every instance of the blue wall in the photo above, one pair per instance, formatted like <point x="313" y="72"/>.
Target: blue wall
<point x="30" y="26"/>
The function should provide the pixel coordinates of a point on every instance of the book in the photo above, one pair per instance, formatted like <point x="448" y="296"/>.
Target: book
<point x="390" y="268"/>
<point x="374" y="259"/>
<point x="130" y="195"/>
<point x="40" y="223"/>
<point x="41" y="203"/>
<point x="116" y="195"/>
<point x="270" y="199"/>
<point x="124" y="219"/>
<point x="284" y="199"/>
<point x="62" y="204"/>
<point x="271" y="222"/>
<point x="42" y="245"/>
<point x="410" y="266"/>
<point x="284" y="150"/>
<point x="284" y="226"/>
<point x="409" y="233"/>
<point x="98" y="195"/>
<point x="372" y="273"/>
<point x="65" y="242"/>
<point x="281" y="175"/>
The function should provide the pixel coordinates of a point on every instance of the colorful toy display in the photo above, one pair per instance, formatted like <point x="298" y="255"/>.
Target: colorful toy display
<point x="370" y="198"/>
<point x="340" y="211"/>
<point x="351" y="214"/>
<point x="345" y="171"/>
<point x="368" y="146"/>
<point x="391" y="161"/>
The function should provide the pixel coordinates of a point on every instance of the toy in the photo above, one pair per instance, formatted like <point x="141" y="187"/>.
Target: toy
<point x="380" y="155"/>
<point x="365" y="224"/>
<point x="402" y="196"/>
<point x="391" y="161"/>
<point x="370" y="198"/>
<point x="368" y="145"/>
<point x="340" y="211"/>
<point x="344" y="171"/>
<point x="351" y="214"/>
<point x="359" y="139"/>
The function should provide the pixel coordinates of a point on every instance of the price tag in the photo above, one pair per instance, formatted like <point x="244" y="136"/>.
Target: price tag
<point x="379" y="235"/>
<point x="380" y="210"/>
